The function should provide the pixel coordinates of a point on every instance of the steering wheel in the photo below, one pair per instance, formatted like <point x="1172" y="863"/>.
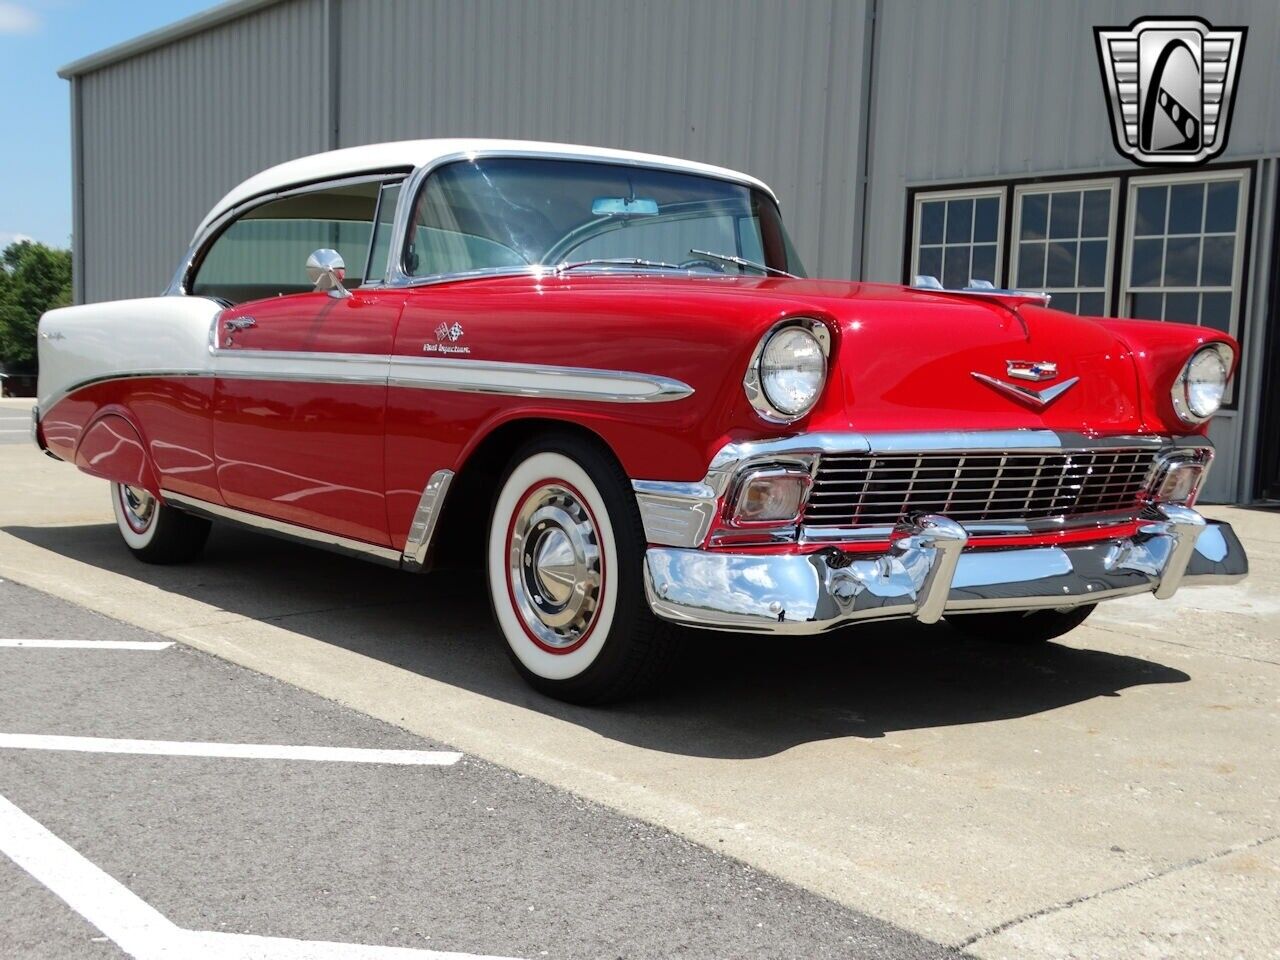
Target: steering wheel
<point x="713" y="266"/>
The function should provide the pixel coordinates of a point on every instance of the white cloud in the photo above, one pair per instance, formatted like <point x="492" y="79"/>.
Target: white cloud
<point x="7" y="238"/>
<point x="15" y="18"/>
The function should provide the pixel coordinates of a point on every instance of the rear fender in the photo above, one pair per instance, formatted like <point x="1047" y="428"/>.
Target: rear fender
<point x="112" y="449"/>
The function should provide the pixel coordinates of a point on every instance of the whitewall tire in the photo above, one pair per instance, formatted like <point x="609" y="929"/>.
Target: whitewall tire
<point x="564" y="558"/>
<point x="154" y="532"/>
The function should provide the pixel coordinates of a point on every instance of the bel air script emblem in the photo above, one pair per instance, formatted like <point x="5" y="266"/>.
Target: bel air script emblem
<point x="1171" y="83"/>
<point x="1036" y="370"/>
<point x="447" y="337"/>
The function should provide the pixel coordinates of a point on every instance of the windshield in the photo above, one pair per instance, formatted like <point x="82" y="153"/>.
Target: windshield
<point x="513" y="212"/>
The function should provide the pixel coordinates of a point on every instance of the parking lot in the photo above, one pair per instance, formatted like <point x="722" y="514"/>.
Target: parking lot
<point x="894" y="792"/>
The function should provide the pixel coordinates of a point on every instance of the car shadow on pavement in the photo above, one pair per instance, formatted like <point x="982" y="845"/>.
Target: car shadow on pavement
<point x="734" y="696"/>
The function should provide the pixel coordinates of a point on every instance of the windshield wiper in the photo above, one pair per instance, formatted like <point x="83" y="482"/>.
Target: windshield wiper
<point x="618" y="262"/>
<point x="742" y="262"/>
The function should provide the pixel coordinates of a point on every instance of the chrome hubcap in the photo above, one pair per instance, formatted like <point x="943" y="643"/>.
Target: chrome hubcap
<point x="555" y="568"/>
<point x="139" y="507"/>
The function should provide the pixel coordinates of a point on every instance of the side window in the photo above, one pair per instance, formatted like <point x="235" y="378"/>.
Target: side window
<point x="264" y="253"/>
<point x="1062" y="244"/>
<point x="382" y="228"/>
<point x="957" y="236"/>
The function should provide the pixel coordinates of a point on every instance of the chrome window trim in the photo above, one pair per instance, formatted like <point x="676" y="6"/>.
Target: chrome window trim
<point x="397" y="277"/>
<point x="178" y="283"/>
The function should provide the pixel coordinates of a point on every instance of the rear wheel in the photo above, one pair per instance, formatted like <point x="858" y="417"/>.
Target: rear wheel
<point x="154" y="532"/>
<point x="1021" y="626"/>
<point x="565" y="556"/>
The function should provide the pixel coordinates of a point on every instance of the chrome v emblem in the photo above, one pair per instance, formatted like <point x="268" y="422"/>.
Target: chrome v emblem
<point x="1037" y="398"/>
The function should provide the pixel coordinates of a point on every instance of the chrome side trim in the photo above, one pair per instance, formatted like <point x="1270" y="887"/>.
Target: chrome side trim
<point x="675" y="514"/>
<point x="465" y="376"/>
<point x="535" y="380"/>
<point x="281" y="528"/>
<point x="425" y="519"/>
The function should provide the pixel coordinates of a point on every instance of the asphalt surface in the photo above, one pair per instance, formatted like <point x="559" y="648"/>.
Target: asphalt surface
<point x="15" y="423"/>
<point x="469" y="857"/>
<point x="1108" y="796"/>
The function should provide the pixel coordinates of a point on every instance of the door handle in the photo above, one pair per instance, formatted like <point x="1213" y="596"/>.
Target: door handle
<point x="240" y="323"/>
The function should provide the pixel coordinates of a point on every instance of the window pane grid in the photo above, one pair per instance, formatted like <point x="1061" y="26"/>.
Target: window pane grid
<point x="1063" y="244"/>
<point x="1183" y="252"/>
<point x="958" y="238"/>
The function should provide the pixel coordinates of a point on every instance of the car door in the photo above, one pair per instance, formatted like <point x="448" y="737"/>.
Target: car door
<point x="301" y="375"/>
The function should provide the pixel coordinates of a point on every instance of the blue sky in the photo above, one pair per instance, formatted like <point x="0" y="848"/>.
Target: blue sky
<point x="36" y="38"/>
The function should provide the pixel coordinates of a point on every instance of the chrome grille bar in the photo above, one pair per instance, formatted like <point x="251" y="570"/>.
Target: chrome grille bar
<point x="852" y="490"/>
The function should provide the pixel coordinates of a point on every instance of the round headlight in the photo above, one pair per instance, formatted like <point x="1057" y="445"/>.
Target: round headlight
<point x="793" y="369"/>
<point x="1200" y="387"/>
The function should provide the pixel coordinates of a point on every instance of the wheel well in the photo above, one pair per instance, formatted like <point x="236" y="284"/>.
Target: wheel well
<point x="463" y="528"/>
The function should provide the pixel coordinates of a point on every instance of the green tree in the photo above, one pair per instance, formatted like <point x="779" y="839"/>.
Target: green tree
<point x="33" y="278"/>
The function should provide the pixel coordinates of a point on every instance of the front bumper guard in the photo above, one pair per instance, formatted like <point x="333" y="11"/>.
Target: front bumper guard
<point x="928" y="573"/>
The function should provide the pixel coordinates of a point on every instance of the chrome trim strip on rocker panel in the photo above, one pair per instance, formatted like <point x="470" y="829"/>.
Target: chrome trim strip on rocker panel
<point x="425" y="519"/>
<point x="281" y="528"/>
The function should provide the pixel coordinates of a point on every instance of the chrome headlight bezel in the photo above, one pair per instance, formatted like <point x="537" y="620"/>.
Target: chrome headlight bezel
<point x="1184" y="404"/>
<point x="754" y="381"/>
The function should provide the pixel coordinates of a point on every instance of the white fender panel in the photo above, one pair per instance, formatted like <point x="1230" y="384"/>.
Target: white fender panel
<point x="100" y="341"/>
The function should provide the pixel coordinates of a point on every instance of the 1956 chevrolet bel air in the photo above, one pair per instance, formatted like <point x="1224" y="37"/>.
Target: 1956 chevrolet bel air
<point x="604" y="373"/>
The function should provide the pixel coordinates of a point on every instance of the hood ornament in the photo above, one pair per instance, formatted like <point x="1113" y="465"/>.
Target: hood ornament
<point x="1036" y="398"/>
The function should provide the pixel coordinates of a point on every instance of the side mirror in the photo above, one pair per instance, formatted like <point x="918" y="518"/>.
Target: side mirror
<point x="327" y="270"/>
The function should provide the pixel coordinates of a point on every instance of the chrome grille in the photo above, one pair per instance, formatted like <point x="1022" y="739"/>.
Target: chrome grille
<point x="989" y="485"/>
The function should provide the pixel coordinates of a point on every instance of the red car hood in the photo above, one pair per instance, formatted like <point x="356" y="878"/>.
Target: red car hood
<point x="906" y="358"/>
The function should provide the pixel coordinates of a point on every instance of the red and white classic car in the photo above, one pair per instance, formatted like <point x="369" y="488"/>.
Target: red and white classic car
<point x="602" y="374"/>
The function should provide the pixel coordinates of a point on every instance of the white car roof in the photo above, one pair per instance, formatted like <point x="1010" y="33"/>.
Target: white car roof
<point x="416" y="153"/>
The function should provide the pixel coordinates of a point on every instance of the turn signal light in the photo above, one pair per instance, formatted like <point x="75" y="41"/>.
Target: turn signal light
<point x="1181" y="483"/>
<point x="771" y="496"/>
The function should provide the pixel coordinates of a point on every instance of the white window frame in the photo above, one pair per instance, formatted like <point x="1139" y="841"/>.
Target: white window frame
<point x="964" y="193"/>
<point x="1069" y="186"/>
<point x="1241" y="176"/>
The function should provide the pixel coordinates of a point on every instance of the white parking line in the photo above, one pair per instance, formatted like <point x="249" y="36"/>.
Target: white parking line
<point x="238" y="751"/>
<point x="90" y="644"/>
<point x="143" y="932"/>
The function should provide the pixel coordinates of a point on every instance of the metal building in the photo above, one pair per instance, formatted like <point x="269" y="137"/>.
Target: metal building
<point x="876" y="122"/>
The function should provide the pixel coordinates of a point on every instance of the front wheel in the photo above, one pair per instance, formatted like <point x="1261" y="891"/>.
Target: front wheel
<point x="1021" y="626"/>
<point x="154" y="532"/>
<point x="565" y="555"/>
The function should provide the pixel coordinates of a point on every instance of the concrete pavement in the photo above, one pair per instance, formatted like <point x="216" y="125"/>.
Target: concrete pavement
<point x="1114" y="795"/>
<point x="460" y="856"/>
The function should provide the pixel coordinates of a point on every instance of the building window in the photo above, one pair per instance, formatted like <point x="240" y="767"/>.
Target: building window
<point x="1062" y="243"/>
<point x="1184" y="248"/>
<point x="958" y="236"/>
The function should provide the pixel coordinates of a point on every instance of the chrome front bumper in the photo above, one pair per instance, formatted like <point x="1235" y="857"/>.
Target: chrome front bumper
<point x="928" y="573"/>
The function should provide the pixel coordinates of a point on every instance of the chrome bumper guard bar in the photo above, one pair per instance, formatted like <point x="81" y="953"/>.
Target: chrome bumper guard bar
<point x="928" y="573"/>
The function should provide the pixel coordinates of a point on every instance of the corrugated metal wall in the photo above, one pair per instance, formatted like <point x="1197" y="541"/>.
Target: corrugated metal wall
<point x="1005" y="88"/>
<point x="776" y="92"/>
<point x="990" y="89"/>
<point x="167" y="133"/>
